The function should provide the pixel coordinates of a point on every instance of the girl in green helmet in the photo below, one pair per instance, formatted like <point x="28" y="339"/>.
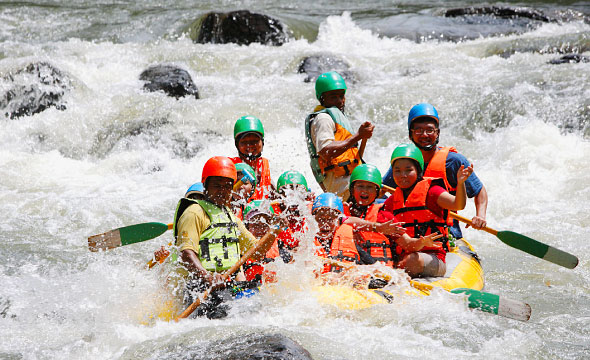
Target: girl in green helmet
<point x="422" y="204"/>
<point x="365" y="185"/>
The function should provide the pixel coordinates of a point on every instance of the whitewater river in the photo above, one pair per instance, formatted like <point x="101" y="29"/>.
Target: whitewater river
<point x="117" y="156"/>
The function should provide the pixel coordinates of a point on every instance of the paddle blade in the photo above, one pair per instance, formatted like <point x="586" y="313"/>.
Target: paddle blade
<point x="538" y="249"/>
<point x="126" y="235"/>
<point x="494" y="304"/>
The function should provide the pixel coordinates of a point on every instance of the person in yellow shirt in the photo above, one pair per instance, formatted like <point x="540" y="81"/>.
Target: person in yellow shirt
<point x="211" y="239"/>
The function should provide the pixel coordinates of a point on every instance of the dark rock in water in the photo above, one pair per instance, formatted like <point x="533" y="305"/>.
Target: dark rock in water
<point x="34" y="89"/>
<point x="316" y="65"/>
<point x="246" y="346"/>
<point x="275" y="346"/>
<point x="501" y="12"/>
<point x="170" y="79"/>
<point x="570" y="58"/>
<point x="240" y="27"/>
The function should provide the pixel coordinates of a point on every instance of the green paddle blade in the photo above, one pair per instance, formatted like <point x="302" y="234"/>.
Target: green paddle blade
<point x="141" y="232"/>
<point x="538" y="249"/>
<point x="494" y="304"/>
<point x="127" y="235"/>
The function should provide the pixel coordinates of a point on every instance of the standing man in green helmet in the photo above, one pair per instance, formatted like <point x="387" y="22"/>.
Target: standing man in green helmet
<point x="249" y="141"/>
<point x="331" y="141"/>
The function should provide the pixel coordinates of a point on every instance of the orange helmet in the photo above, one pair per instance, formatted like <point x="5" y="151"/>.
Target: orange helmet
<point x="219" y="166"/>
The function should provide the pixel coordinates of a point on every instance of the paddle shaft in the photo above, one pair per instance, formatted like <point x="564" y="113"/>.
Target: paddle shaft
<point x="270" y="236"/>
<point x="362" y="148"/>
<point x="469" y="222"/>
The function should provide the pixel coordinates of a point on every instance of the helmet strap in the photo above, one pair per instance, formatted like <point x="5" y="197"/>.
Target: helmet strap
<point x="428" y="147"/>
<point x="248" y="157"/>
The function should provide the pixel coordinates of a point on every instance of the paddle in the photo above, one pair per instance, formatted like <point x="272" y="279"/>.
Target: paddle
<point x="362" y="148"/>
<point x="487" y="302"/>
<point x="127" y="235"/>
<point x="192" y="307"/>
<point x="528" y="245"/>
<point x="523" y="243"/>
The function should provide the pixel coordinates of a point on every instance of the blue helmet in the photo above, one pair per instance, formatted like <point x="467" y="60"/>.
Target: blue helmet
<point x="196" y="188"/>
<point x="420" y="110"/>
<point x="328" y="200"/>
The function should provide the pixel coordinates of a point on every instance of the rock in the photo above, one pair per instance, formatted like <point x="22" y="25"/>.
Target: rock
<point x="316" y="65"/>
<point x="500" y="12"/>
<point x="245" y="346"/>
<point x="240" y="27"/>
<point x="170" y="79"/>
<point x="570" y="58"/>
<point x="34" y="89"/>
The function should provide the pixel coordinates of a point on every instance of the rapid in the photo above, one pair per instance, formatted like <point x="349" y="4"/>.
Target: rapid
<point x="117" y="155"/>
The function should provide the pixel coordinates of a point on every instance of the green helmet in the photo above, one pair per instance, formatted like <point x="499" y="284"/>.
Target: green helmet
<point x="245" y="168"/>
<point x="366" y="172"/>
<point x="327" y="82"/>
<point x="291" y="177"/>
<point x="408" y="151"/>
<point x="253" y="208"/>
<point x="247" y="124"/>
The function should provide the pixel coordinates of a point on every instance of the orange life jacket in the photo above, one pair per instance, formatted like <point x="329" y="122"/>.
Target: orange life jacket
<point x="263" y="181"/>
<point x="437" y="168"/>
<point x="419" y="221"/>
<point x="374" y="243"/>
<point x="342" y="248"/>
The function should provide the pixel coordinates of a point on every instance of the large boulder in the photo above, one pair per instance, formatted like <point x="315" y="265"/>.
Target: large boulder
<point x="570" y="58"/>
<point x="170" y="79"/>
<point x="33" y="89"/>
<point x="243" y="346"/>
<point x="500" y="12"/>
<point x="315" y="65"/>
<point x="240" y="27"/>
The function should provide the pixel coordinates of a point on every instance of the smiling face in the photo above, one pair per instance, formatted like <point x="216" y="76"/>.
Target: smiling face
<point x="405" y="173"/>
<point x="250" y="144"/>
<point x="424" y="132"/>
<point x="364" y="192"/>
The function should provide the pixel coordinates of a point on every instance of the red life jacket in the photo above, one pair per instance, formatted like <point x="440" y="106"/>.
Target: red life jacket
<point x="419" y="221"/>
<point x="290" y="237"/>
<point x="253" y="268"/>
<point x="342" y="248"/>
<point x="374" y="243"/>
<point x="263" y="181"/>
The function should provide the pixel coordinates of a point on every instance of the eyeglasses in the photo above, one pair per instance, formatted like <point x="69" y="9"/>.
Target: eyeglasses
<point x="424" y="131"/>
